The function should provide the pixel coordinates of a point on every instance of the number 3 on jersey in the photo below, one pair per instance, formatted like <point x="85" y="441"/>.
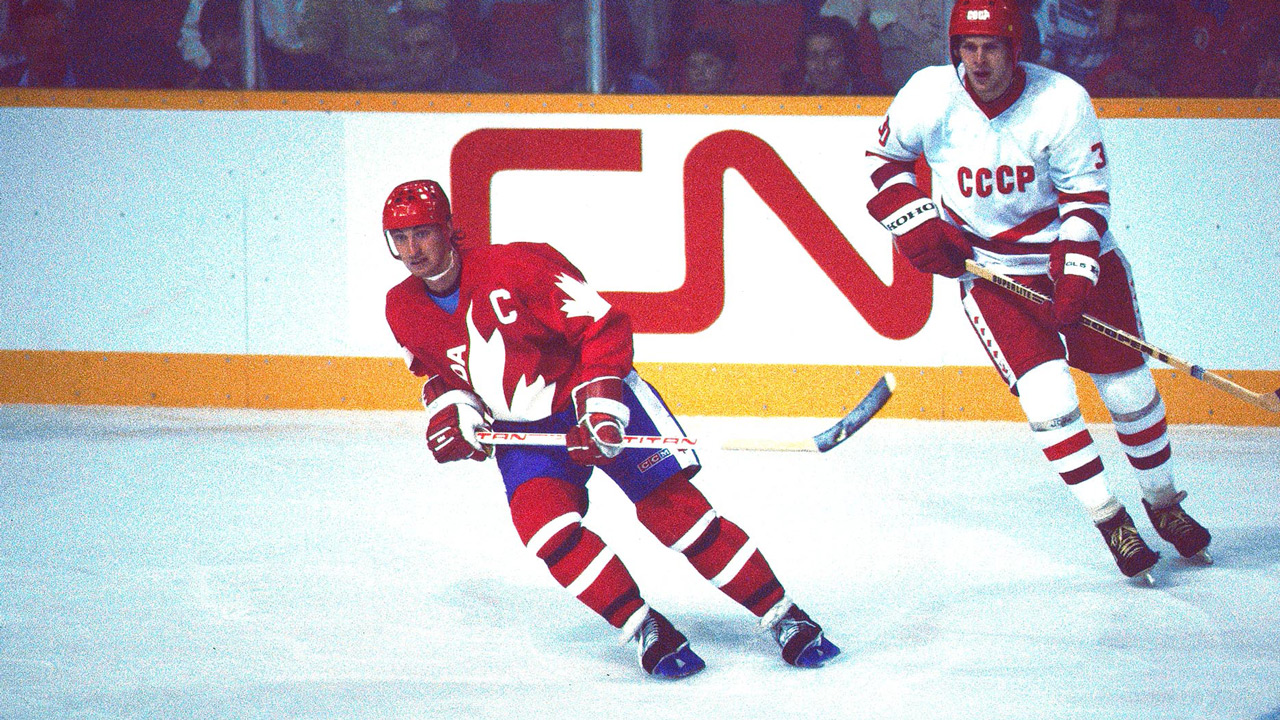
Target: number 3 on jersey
<point x="1102" y="156"/>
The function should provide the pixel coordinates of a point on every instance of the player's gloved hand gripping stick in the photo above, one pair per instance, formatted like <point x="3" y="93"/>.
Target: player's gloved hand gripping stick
<point x="453" y="419"/>
<point x="1073" y="267"/>
<point x="927" y="241"/>
<point x="602" y="421"/>
<point x="1267" y="401"/>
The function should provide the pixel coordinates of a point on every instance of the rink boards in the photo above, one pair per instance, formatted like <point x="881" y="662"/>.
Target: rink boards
<point x="223" y="249"/>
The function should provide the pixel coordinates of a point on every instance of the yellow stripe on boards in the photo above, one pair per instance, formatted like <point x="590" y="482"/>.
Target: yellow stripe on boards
<point x="873" y="106"/>
<point x="718" y="389"/>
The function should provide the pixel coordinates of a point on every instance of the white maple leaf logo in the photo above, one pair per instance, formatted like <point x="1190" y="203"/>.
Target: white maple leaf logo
<point x="582" y="301"/>
<point x="487" y="364"/>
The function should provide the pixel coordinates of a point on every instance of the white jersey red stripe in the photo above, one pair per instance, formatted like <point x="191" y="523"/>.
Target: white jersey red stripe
<point x="1034" y="172"/>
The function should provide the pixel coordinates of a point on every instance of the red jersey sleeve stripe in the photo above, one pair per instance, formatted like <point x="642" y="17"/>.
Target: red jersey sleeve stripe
<point x="1098" y="197"/>
<point x="1093" y="217"/>
<point x="891" y="169"/>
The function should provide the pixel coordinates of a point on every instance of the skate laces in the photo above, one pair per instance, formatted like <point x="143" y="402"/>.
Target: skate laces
<point x="1125" y="540"/>
<point x="1173" y="520"/>
<point x="789" y="624"/>
<point x="787" y="628"/>
<point x="649" y="633"/>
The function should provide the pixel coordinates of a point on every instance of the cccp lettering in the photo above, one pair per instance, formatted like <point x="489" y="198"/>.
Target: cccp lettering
<point x="1004" y="179"/>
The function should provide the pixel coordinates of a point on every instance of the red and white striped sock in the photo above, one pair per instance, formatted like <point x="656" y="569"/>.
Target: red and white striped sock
<point x="1138" y="413"/>
<point x="1048" y="396"/>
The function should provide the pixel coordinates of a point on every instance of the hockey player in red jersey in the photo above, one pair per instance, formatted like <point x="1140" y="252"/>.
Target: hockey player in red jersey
<point x="511" y="337"/>
<point x="1018" y="162"/>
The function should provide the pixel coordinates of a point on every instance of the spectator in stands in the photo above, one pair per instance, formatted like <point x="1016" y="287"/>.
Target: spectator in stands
<point x="1152" y="58"/>
<point x="42" y="30"/>
<point x="1215" y="38"/>
<point x="222" y="37"/>
<point x="276" y="60"/>
<point x="434" y="63"/>
<point x="1076" y="36"/>
<point x="356" y="39"/>
<point x="709" y="64"/>
<point x="10" y="54"/>
<point x="129" y="44"/>
<point x="1267" y="61"/>
<point x="827" y="61"/>
<point x="622" y="72"/>
<point x="895" y="37"/>
<point x="765" y="33"/>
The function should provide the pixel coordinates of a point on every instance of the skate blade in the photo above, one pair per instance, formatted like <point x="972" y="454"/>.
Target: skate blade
<point x="817" y="654"/>
<point x="1202" y="557"/>
<point x="679" y="664"/>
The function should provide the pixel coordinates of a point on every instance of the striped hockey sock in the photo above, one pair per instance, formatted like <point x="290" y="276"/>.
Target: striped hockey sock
<point x="1138" y="413"/>
<point x="548" y="516"/>
<point x="682" y="519"/>
<point x="1048" y="396"/>
<point x="1070" y="450"/>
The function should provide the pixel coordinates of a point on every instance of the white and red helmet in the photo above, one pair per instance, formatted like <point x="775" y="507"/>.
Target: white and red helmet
<point x="993" y="18"/>
<point x="417" y="202"/>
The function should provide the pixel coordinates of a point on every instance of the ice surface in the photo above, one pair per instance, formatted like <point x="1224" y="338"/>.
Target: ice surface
<point x="169" y="563"/>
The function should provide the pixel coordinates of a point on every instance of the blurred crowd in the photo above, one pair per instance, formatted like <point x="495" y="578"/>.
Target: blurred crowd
<point x="1115" y="48"/>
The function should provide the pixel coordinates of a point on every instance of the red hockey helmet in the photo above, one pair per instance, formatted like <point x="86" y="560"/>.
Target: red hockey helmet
<point x="417" y="202"/>
<point x="994" y="18"/>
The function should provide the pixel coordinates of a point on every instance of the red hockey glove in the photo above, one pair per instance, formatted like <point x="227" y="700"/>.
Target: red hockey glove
<point x="920" y="234"/>
<point x="1073" y="267"/>
<point x="453" y="419"/>
<point x="602" y="421"/>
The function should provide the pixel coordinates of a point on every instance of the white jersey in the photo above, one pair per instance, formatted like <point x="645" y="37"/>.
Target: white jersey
<point x="1033" y="173"/>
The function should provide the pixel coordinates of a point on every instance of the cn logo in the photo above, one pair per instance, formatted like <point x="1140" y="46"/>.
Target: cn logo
<point x="897" y="310"/>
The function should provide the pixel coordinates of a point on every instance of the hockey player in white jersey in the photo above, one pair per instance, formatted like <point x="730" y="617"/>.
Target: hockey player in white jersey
<point x="1020" y="171"/>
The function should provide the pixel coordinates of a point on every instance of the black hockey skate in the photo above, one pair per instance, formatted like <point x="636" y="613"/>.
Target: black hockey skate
<point x="801" y="639"/>
<point x="1133" y="556"/>
<point x="1177" y="528"/>
<point x="664" y="651"/>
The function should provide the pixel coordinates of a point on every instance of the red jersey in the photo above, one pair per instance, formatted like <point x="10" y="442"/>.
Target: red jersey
<point x="526" y="330"/>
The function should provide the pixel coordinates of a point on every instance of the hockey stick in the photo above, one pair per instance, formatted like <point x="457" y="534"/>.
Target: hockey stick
<point x="822" y="442"/>
<point x="1267" y="401"/>
<point x="834" y="435"/>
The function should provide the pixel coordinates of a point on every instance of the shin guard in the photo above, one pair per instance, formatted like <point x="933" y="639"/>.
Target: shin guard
<point x="1139" y="417"/>
<point x="1048" y="396"/>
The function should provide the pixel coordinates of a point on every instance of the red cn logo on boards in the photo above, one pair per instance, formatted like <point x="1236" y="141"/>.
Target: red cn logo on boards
<point x="897" y="310"/>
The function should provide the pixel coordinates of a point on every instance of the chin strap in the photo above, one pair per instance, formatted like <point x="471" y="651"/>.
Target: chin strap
<point x="453" y="257"/>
